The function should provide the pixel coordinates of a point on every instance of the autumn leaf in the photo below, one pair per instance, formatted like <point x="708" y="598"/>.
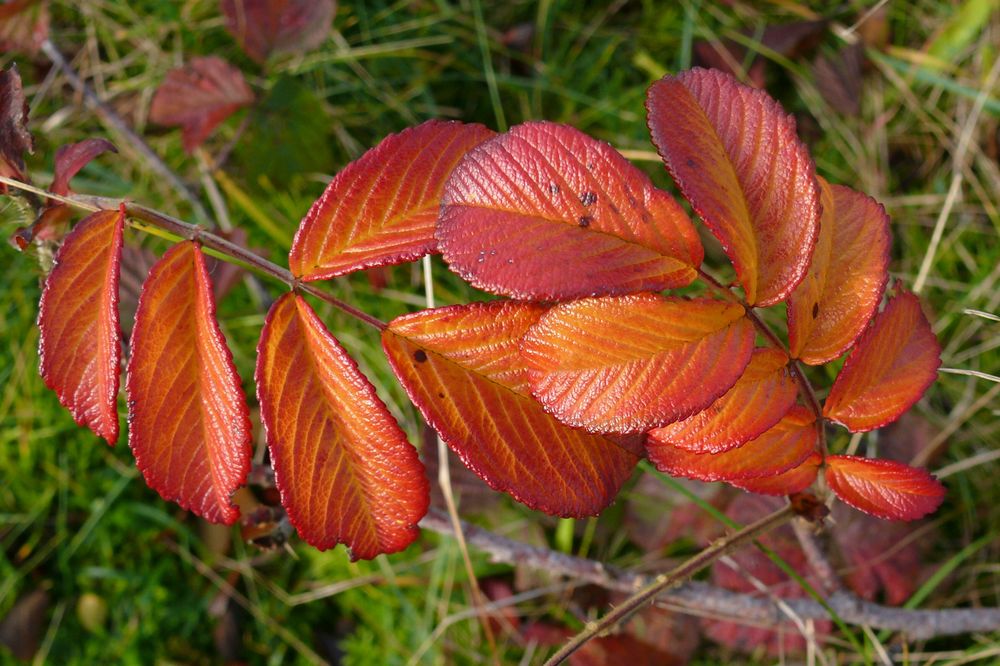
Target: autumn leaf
<point x="80" y="345"/>
<point x="73" y="157"/>
<point x="461" y="367"/>
<point x="758" y="400"/>
<point x="199" y="96"/>
<point x="546" y="212"/>
<point x="24" y="25"/>
<point x="266" y="27"/>
<point x="625" y="364"/>
<point x="843" y="288"/>
<point x="189" y="426"/>
<point x="15" y="139"/>
<point x="346" y="472"/>
<point x="894" y="361"/>
<point x="884" y="488"/>
<point x="789" y="482"/>
<point x="734" y="154"/>
<point x="778" y="450"/>
<point x="382" y="208"/>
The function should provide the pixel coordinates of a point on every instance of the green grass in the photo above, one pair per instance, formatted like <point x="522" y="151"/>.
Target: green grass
<point x="75" y="517"/>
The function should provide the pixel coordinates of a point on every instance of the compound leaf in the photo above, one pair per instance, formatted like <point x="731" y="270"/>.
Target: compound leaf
<point x="734" y="154"/>
<point x="625" y="364"/>
<point x="381" y="209"/>
<point x="189" y="426"/>
<point x="842" y="290"/>
<point x="893" y="363"/>
<point x="461" y="367"/>
<point x="547" y="212"/>
<point x="345" y="470"/>
<point x="884" y="488"/>
<point x="80" y="344"/>
<point x="794" y="480"/>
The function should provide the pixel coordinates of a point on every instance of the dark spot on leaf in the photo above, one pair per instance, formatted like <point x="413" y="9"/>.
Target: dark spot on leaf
<point x="440" y="395"/>
<point x="590" y="166"/>
<point x="614" y="208"/>
<point x="553" y="188"/>
<point x="420" y="355"/>
<point x="588" y="198"/>
<point x="691" y="163"/>
<point x="586" y="220"/>
<point x="815" y="310"/>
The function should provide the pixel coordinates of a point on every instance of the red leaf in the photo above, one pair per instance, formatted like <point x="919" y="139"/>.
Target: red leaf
<point x="15" y="139"/>
<point x="894" y="362"/>
<point x="793" y="481"/>
<point x="841" y="292"/>
<point x="24" y="25"/>
<point x="546" y="212"/>
<point x="346" y="472"/>
<point x="778" y="450"/>
<point x="763" y="395"/>
<point x="199" y="96"/>
<point x="79" y="346"/>
<point x="189" y="426"/>
<point x="265" y="27"/>
<point x="625" y="364"/>
<point x="461" y="367"/>
<point x="884" y="488"/>
<point x="73" y="157"/>
<point x="735" y="156"/>
<point x="381" y="209"/>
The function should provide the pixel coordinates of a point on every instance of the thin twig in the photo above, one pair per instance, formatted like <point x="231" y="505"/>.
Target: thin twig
<point x="818" y="561"/>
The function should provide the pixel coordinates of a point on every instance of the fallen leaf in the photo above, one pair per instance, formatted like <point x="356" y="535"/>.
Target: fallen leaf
<point x="269" y="27"/>
<point x="838" y="78"/>
<point x="21" y="629"/>
<point x="24" y="25"/>
<point x="15" y="139"/>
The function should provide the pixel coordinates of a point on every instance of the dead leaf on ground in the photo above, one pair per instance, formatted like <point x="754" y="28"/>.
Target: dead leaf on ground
<point x="24" y="25"/>
<point x="21" y="630"/>
<point x="268" y="27"/>
<point x="15" y="139"/>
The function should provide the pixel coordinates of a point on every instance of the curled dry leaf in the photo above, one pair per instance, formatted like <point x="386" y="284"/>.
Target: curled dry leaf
<point x="15" y="139"/>
<point x="199" y="96"/>
<point x="789" y="482"/>
<point x="381" y="209"/>
<point x="80" y="344"/>
<point x="547" y="212"/>
<point x="843" y="288"/>
<point x="24" y="25"/>
<point x="346" y="472"/>
<point x="189" y="425"/>
<point x="894" y="361"/>
<point x="884" y="488"/>
<point x="625" y="364"/>
<point x="734" y="154"/>
<point x="266" y="27"/>
<point x="461" y="367"/>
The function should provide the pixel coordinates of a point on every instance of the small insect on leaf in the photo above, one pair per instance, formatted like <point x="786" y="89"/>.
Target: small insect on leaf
<point x="894" y="361"/>
<point x="734" y="154"/>
<point x="884" y="488"/>
<point x="345" y="470"/>
<point x="189" y="425"/>
<point x="80" y="345"/>
<point x="382" y="208"/>
<point x="547" y="212"/>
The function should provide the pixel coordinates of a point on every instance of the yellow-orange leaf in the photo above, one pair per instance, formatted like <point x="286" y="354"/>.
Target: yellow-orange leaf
<point x="764" y="393"/>
<point x="794" y="480"/>
<point x="189" y="426"/>
<point x="625" y="364"/>
<point x="893" y="363"/>
<point x="844" y="285"/>
<point x="79" y="345"/>
<point x="734" y="154"/>
<point x="461" y="367"/>
<point x="884" y="488"/>
<point x="345" y="470"/>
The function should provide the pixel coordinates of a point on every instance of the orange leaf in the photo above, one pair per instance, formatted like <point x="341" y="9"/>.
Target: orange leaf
<point x="894" y="362"/>
<point x="841" y="292"/>
<point x="461" y="367"/>
<point x="80" y="344"/>
<point x="794" y="480"/>
<point x="346" y="472"/>
<point x="626" y="364"/>
<point x="381" y="208"/>
<point x="884" y="488"/>
<point x="189" y="426"/>
<point x="764" y="393"/>
<point x="735" y="156"/>
<point x="778" y="450"/>
<point x="546" y="212"/>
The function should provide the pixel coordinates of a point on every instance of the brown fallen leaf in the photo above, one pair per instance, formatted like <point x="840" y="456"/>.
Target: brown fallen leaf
<point x="24" y="25"/>
<point x="268" y="27"/>
<point x="21" y="629"/>
<point x="838" y="78"/>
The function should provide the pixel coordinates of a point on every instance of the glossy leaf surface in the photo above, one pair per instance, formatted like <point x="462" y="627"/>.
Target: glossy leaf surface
<point x="893" y="363"/>
<point x="189" y="426"/>
<point x="844" y="285"/>
<point x="794" y="480"/>
<point x="778" y="450"/>
<point x="625" y="364"/>
<point x="884" y="488"/>
<point x="734" y="154"/>
<point x="763" y="394"/>
<point x="547" y="212"/>
<point x="345" y="470"/>
<point x="382" y="208"/>
<point x="80" y="346"/>
<point x="461" y="367"/>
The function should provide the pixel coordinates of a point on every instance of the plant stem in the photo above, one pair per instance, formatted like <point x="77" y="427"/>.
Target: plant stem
<point x="706" y="557"/>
